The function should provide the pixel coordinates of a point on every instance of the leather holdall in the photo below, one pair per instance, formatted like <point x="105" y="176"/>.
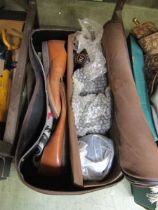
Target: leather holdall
<point x="133" y="140"/>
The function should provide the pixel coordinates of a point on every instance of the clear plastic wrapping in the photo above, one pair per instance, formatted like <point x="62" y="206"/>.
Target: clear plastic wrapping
<point x="89" y="38"/>
<point x="86" y="86"/>
<point x="96" y="155"/>
<point x="91" y="101"/>
<point x="92" y="113"/>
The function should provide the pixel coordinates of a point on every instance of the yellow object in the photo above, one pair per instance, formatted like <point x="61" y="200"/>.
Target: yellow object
<point x="5" y="82"/>
<point x="5" y="79"/>
<point x="11" y="38"/>
<point x="7" y="43"/>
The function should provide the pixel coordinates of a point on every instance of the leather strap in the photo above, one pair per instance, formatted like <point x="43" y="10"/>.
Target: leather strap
<point x="120" y="5"/>
<point x="117" y="14"/>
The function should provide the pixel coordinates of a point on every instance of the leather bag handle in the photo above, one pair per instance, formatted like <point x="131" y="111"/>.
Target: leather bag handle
<point x="117" y="14"/>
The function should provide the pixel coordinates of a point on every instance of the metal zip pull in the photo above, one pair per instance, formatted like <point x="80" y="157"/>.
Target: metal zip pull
<point x="136" y="21"/>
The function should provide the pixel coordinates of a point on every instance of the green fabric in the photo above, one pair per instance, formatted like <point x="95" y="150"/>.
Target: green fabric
<point x="140" y="197"/>
<point x="139" y="77"/>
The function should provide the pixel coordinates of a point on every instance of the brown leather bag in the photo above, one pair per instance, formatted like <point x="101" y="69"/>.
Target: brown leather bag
<point x="133" y="140"/>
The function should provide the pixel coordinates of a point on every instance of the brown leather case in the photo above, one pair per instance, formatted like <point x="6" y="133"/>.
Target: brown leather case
<point x="135" y="143"/>
<point x="132" y="138"/>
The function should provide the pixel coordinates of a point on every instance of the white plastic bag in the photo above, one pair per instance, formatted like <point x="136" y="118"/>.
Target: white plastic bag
<point x="96" y="155"/>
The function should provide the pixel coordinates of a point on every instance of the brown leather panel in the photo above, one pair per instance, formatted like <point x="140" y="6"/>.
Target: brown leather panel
<point x="74" y="148"/>
<point x="137" y="149"/>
